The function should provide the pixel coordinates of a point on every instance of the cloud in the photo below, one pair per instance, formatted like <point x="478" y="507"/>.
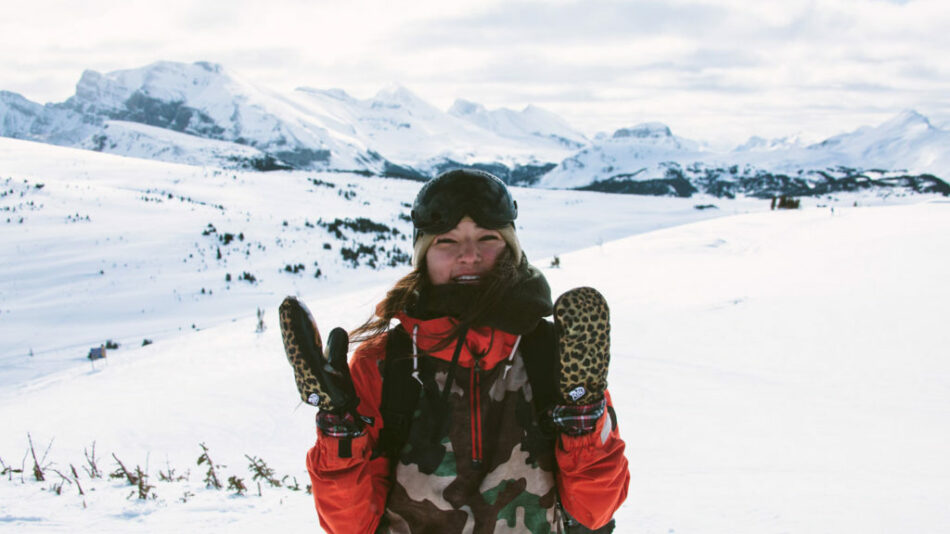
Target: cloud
<point x="698" y="64"/>
<point x="522" y="22"/>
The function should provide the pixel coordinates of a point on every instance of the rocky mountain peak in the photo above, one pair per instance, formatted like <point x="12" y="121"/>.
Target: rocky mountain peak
<point x="646" y="130"/>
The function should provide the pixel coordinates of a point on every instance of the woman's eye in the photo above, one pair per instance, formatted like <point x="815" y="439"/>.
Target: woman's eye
<point x="444" y="240"/>
<point x="488" y="238"/>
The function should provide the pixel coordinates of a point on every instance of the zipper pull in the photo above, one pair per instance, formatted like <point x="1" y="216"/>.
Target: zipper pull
<point x="511" y="358"/>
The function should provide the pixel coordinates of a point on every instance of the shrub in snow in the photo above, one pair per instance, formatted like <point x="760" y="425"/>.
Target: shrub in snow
<point x="788" y="203"/>
<point x="261" y="471"/>
<point x="91" y="467"/>
<point x="294" y="268"/>
<point x="261" y="327"/>
<point x="319" y="182"/>
<point x="39" y="465"/>
<point x="169" y="475"/>
<point x="211" y="476"/>
<point x="236" y="485"/>
<point x="360" y="225"/>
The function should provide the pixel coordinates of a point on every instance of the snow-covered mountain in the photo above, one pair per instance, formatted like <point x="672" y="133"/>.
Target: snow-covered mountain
<point x="51" y="123"/>
<point x="905" y="154"/>
<point x="202" y="114"/>
<point x="135" y="139"/>
<point x="393" y="133"/>
<point x="531" y="123"/>
<point x="418" y="138"/>
<point x="205" y="101"/>
<point x="630" y="153"/>
<point x="761" y="144"/>
<point x="907" y="141"/>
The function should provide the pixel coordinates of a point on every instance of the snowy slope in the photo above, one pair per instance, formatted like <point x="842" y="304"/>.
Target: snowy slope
<point x="138" y="140"/>
<point x="145" y="244"/>
<point x="772" y="372"/>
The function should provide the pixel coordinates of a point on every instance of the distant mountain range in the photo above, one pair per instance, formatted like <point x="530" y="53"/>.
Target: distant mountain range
<point x="201" y="114"/>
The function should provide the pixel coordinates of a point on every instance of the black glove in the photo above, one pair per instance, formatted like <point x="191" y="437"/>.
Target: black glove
<point x="323" y="378"/>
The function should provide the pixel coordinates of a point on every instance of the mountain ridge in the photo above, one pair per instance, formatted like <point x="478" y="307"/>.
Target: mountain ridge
<point x="397" y="133"/>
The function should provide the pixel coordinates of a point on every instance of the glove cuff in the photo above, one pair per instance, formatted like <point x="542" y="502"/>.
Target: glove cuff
<point x="340" y="425"/>
<point x="577" y="419"/>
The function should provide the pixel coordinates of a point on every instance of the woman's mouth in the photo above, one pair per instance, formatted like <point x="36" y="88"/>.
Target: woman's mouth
<point x="467" y="279"/>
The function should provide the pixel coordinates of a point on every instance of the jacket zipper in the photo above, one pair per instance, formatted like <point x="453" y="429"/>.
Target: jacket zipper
<point x="476" y="416"/>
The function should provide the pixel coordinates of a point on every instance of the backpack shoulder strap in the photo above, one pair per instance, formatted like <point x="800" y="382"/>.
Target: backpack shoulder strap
<point x="538" y="350"/>
<point x="400" y="393"/>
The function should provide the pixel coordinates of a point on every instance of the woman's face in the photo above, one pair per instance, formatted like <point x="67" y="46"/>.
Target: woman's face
<point x="463" y="254"/>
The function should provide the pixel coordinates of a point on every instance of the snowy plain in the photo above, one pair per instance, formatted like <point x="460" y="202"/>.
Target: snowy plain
<point x="773" y="371"/>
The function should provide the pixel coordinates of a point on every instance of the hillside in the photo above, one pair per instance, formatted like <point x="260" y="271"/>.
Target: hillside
<point x="772" y="371"/>
<point x="101" y="247"/>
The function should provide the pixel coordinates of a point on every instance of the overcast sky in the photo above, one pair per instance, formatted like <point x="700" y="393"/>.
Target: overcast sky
<point x="713" y="70"/>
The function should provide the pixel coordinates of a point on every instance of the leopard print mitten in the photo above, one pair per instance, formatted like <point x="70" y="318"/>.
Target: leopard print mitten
<point x="582" y="326"/>
<point x="323" y="379"/>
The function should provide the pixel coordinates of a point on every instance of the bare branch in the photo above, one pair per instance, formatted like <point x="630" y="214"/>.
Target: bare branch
<point x="69" y="479"/>
<point x="38" y="464"/>
<point x="123" y="472"/>
<point x="92" y="468"/>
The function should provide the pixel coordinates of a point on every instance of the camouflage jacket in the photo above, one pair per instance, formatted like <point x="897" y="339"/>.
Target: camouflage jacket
<point x="476" y="463"/>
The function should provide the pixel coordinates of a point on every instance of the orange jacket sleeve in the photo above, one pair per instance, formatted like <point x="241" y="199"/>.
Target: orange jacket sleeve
<point x="593" y="476"/>
<point x="350" y="493"/>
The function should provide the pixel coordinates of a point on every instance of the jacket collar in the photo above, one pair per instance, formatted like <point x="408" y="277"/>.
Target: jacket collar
<point x="484" y="344"/>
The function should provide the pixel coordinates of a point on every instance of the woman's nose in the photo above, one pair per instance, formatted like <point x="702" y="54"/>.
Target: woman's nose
<point x="469" y="251"/>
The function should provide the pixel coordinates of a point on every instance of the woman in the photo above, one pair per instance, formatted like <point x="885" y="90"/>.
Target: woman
<point x="463" y="418"/>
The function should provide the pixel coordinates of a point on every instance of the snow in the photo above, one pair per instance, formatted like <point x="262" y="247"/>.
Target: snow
<point x="397" y="131"/>
<point x="639" y="151"/>
<point x="531" y="122"/>
<point x="126" y="237"/>
<point x="773" y="371"/>
<point x="906" y="143"/>
<point x="208" y="100"/>
<point x="138" y="140"/>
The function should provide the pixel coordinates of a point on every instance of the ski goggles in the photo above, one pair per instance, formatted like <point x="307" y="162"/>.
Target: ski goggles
<point x="444" y="200"/>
